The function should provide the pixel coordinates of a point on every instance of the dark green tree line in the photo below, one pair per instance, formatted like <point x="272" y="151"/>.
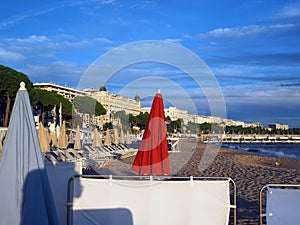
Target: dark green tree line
<point x="9" y="85"/>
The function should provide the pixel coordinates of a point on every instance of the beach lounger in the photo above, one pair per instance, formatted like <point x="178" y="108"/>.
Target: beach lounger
<point x="66" y="155"/>
<point x="97" y="155"/>
<point x="144" y="200"/>
<point x="280" y="204"/>
<point x="50" y="157"/>
<point x="106" y="153"/>
<point x="58" y="155"/>
<point x="78" y="154"/>
<point x="92" y="153"/>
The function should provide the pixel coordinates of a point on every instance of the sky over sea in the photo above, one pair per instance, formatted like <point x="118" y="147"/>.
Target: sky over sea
<point x="252" y="48"/>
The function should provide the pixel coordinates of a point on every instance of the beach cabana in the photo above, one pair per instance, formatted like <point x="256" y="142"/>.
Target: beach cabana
<point x="25" y="192"/>
<point x="152" y="156"/>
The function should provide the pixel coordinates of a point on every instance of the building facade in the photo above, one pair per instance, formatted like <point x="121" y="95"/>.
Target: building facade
<point x="276" y="126"/>
<point x="114" y="103"/>
<point x="66" y="92"/>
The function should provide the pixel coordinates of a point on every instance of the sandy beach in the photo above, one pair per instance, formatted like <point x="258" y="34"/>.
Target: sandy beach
<point x="249" y="172"/>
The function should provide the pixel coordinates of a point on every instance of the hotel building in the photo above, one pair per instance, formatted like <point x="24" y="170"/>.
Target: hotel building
<point x="66" y="92"/>
<point x="114" y="103"/>
<point x="111" y="102"/>
<point x="278" y="126"/>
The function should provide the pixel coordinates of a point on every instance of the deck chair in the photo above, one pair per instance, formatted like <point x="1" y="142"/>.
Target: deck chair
<point x="58" y="155"/>
<point x="50" y="157"/>
<point x="280" y="204"/>
<point x="78" y="154"/>
<point x="136" y="200"/>
<point x="105" y="152"/>
<point x="92" y="153"/>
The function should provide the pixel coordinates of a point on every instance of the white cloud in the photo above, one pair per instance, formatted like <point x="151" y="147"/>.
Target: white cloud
<point x="31" y="39"/>
<point x="290" y="10"/>
<point x="9" y="55"/>
<point x="265" y="93"/>
<point x="57" y="71"/>
<point x="174" y="40"/>
<point x="245" y="31"/>
<point x="107" y="2"/>
<point x="103" y="40"/>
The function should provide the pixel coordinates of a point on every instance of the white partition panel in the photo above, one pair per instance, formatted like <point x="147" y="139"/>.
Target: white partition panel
<point x="59" y="174"/>
<point x="150" y="202"/>
<point x="283" y="206"/>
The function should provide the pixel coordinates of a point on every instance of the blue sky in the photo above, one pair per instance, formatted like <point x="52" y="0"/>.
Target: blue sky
<point x="252" y="47"/>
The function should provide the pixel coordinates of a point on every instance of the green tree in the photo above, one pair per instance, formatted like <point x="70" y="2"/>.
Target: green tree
<point x="122" y="117"/>
<point x="139" y="120"/>
<point x="107" y="126"/>
<point x="143" y="118"/>
<point x="132" y="120"/>
<point x="91" y="106"/>
<point x="205" y="128"/>
<point x="174" y="125"/>
<point x="9" y="84"/>
<point x="46" y="100"/>
<point x="193" y="127"/>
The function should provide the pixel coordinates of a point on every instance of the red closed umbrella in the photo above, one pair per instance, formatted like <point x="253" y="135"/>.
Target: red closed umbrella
<point x="152" y="156"/>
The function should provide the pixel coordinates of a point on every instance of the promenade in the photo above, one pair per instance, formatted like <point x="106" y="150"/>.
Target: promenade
<point x="254" y="138"/>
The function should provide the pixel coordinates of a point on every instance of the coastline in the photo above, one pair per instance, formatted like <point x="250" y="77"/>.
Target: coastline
<point x="249" y="172"/>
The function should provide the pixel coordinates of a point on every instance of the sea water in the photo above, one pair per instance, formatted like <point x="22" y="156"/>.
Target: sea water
<point x="279" y="150"/>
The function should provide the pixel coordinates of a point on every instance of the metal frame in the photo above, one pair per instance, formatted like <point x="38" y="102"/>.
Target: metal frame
<point x="266" y="188"/>
<point x="159" y="178"/>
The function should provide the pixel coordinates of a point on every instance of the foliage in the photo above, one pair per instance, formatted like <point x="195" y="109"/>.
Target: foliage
<point x="139" y="120"/>
<point x="205" y="127"/>
<point x="174" y="126"/>
<point x="10" y="80"/>
<point x="107" y="126"/>
<point x="122" y="117"/>
<point x="193" y="127"/>
<point x="85" y="104"/>
<point x="46" y="100"/>
<point x="244" y="130"/>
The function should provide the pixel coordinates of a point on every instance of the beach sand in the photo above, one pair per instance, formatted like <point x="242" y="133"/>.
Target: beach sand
<point x="249" y="172"/>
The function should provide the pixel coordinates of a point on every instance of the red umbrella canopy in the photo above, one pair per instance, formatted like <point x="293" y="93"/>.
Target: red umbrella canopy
<point x="152" y="156"/>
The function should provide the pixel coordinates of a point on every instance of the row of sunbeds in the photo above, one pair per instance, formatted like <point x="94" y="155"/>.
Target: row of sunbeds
<point x="91" y="156"/>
